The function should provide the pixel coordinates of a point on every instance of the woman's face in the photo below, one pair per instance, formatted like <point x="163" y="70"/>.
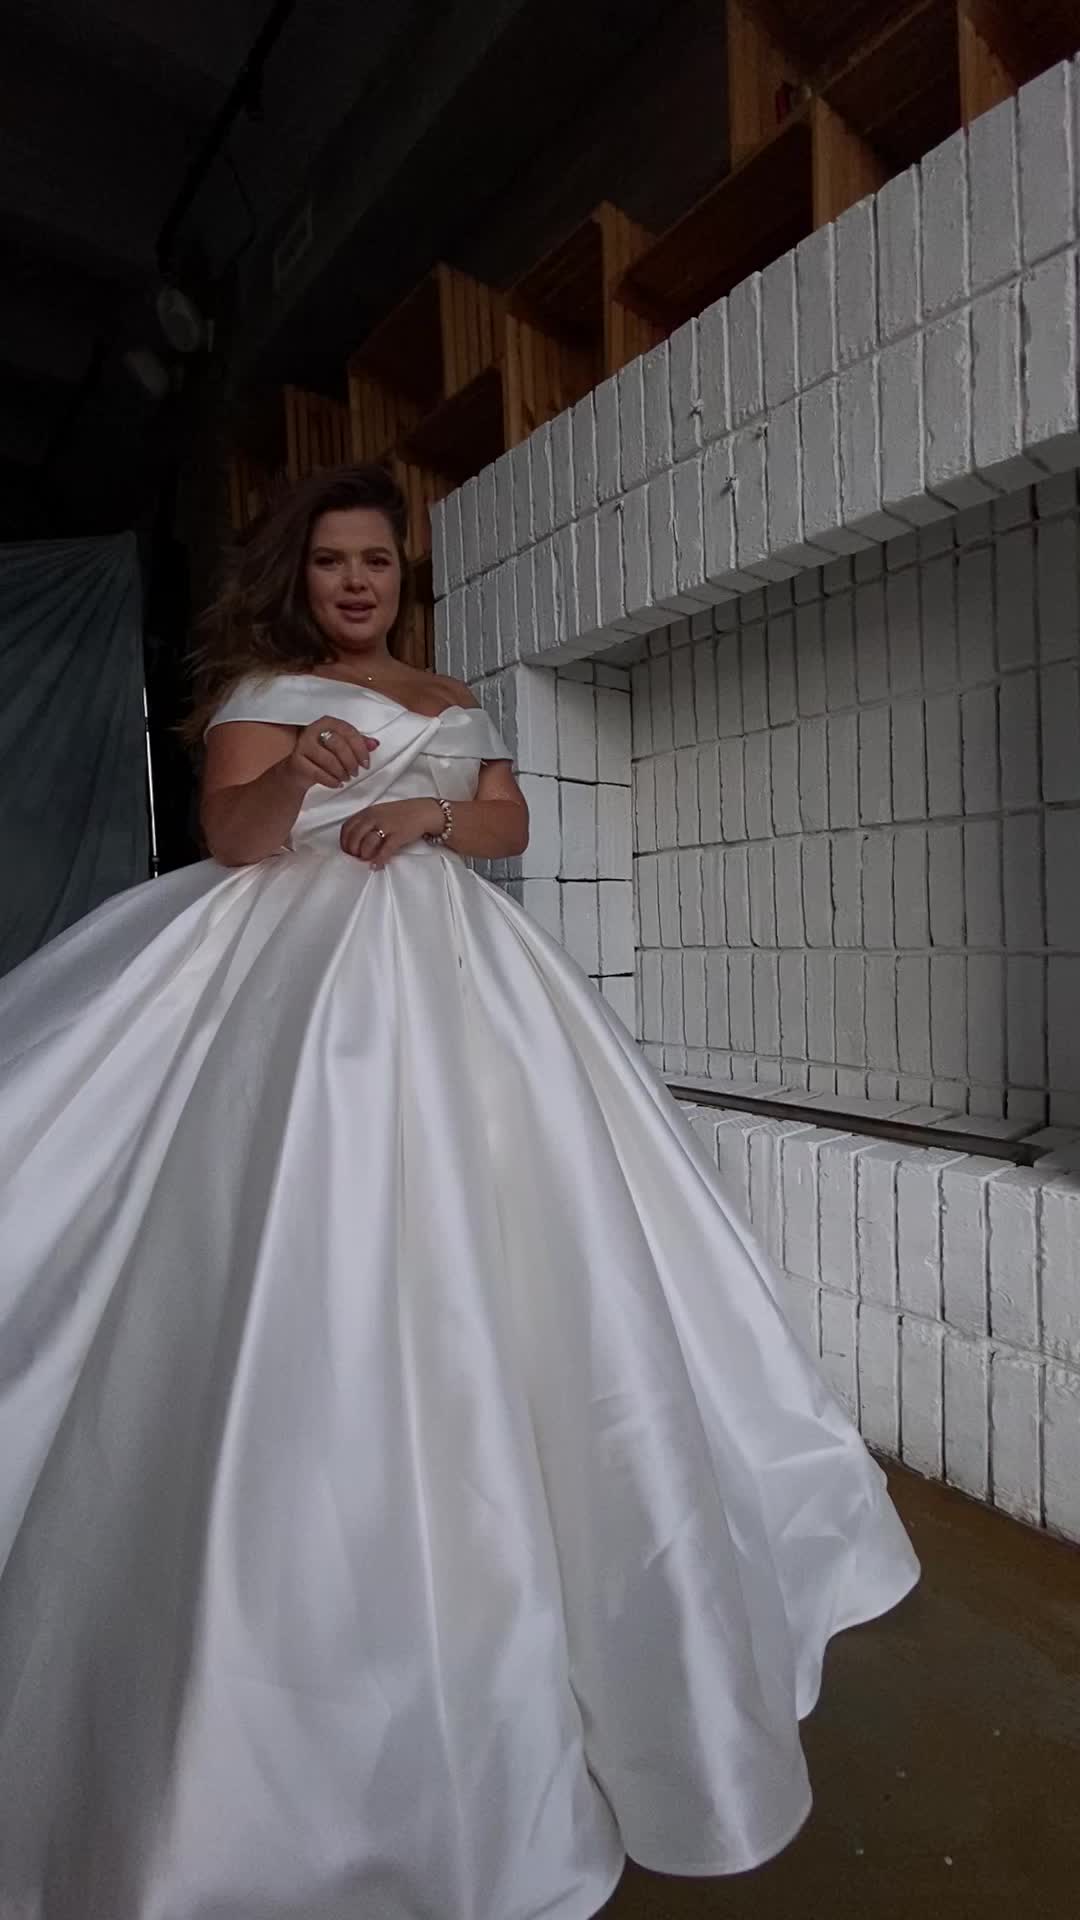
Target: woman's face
<point x="353" y="578"/>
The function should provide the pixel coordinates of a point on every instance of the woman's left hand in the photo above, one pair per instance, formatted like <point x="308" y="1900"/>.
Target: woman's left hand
<point x="378" y="833"/>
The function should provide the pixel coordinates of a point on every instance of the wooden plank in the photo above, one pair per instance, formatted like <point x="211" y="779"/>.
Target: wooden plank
<point x="760" y="71"/>
<point x="757" y="212"/>
<point x="846" y="168"/>
<point x="986" y="76"/>
<point x="627" y="331"/>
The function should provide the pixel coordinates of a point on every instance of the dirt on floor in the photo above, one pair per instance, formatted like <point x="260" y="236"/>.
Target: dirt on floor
<point x="945" y="1753"/>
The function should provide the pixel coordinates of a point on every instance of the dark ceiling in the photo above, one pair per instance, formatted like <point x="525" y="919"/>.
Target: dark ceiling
<point x="394" y="131"/>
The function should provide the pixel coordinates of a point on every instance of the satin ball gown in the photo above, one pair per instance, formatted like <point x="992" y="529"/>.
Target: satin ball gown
<point x="412" y="1499"/>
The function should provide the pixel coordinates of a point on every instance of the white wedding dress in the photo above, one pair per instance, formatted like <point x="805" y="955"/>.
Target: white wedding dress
<point x="412" y="1500"/>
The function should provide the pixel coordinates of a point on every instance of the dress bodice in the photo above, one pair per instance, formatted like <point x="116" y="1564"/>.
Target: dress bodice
<point x="419" y="755"/>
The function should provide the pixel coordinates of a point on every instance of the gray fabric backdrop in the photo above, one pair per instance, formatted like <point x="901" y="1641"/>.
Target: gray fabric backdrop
<point x="73" y="810"/>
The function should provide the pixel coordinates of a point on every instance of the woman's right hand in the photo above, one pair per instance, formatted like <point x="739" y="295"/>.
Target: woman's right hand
<point x="333" y="762"/>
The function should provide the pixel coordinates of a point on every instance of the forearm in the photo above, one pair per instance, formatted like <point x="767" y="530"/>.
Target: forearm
<point x="243" y="824"/>
<point x="489" y="829"/>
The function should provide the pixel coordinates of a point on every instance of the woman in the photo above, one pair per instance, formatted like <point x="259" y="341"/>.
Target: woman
<point x="411" y="1498"/>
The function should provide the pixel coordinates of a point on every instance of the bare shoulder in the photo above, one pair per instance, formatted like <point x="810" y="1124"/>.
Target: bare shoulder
<point x="455" y="691"/>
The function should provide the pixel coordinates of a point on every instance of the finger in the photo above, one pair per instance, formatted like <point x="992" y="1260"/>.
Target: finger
<point x="342" y="742"/>
<point x="388" y="848"/>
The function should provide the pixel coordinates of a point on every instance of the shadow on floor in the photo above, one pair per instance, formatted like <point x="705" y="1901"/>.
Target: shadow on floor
<point x="945" y="1753"/>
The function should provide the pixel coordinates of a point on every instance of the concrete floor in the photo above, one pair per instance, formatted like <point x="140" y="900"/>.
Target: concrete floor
<point x="945" y="1753"/>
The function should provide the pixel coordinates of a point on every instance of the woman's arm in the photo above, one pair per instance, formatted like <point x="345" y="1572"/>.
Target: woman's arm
<point x="257" y="774"/>
<point x="493" y="825"/>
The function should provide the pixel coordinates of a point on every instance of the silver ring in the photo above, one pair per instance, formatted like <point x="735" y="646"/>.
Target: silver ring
<point x="327" y="736"/>
<point x="380" y="833"/>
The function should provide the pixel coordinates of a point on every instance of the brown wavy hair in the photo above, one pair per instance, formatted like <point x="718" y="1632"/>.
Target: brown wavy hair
<point x="261" y="621"/>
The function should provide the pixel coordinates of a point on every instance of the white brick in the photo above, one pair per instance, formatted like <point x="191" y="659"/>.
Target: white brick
<point x="947" y="373"/>
<point x="792" y="972"/>
<point x="983" y="905"/>
<point x="609" y="480"/>
<point x="875" y="766"/>
<point x="964" y="1244"/>
<point x="948" y="1033"/>
<point x="896" y="210"/>
<point x="1061" y="734"/>
<point x="737" y="896"/>
<point x="820" y="1008"/>
<point x="791" y="931"/>
<point x="876" y="1203"/>
<point x="762" y="894"/>
<point x="691" y="907"/>
<point x="453" y="556"/>
<point x="778" y="330"/>
<point x="856" y="283"/>
<point x="838" y="1349"/>
<point x="651" y="1004"/>
<point x="505" y="543"/>
<point x="877" y="889"/>
<point x="667" y="880"/>
<point x="766" y="991"/>
<point x="581" y="924"/>
<point x="997" y="428"/>
<point x="562" y="469"/>
<point x="908" y="760"/>
<point x="860" y="487"/>
<point x="900" y="398"/>
<point x="688" y="806"/>
<point x="631" y="385"/>
<point x="732" y="790"/>
<point x="583" y="437"/>
<point x="1059" y="589"/>
<point x="1047" y="209"/>
<point x="1060" y="1268"/>
<point x="689" y="533"/>
<point x="542" y="859"/>
<point x="1015" y="580"/>
<point x="546" y="599"/>
<point x="470" y="528"/>
<point x="636" y="551"/>
<point x="525" y="602"/>
<point x="902" y="626"/>
<point x="1061" y="1452"/>
<point x="986" y="1025"/>
<point x="922" y="1397"/>
<point x="741" y="1000"/>
<point x="785" y="480"/>
<point x="1025" y="996"/>
<point x="474" y="633"/>
<point x="944" y="755"/>
<point x="938" y="583"/>
<point x="975" y="615"/>
<point x="918" y="1208"/>
<point x="645" y="806"/>
<point x="1015" y="1406"/>
<point x="667" y="825"/>
<point x="613" y="735"/>
<point x="944" y="226"/>
<point x="521" y="491"/>
<point x="842" y="755"/>
<point x="851" y="1010"/>
<point x="992" y="176"/>
<point x="879" y="1377"/>
<point x="979" y="728"/>
<point x="576" y="711"/>
<point x="616" y="903"/>
<point x="817" y="890"/>
<point x="837" y="1185"/>
<point x="1018" y="724"/>
<point x="967" y="1416"/>
<point x="694" y="1016"/>
<point x="714" y="371"/>
<point x="1048" y="298"/>
<point x="814" y="272"/>
<point x="820" y="430"/>
<point x="663" y="558"/>
<point x="946" y="886"/>
<point x="744" y="349"/>
<point x="1014" y="1256"/>
<point x="656" y="378"/>
<point x="748" y="470"/>
<point x="882" y="1039"/>
<point x="784" y="779"/>
<point x="578" y="819"/>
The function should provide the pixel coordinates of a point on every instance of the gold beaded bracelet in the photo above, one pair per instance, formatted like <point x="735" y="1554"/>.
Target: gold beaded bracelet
<point x="440" y="839"/>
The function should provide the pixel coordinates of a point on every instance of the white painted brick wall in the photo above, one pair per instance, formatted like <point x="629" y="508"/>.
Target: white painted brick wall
<point x="783" y="627"/>
<point x="818" y="825"/>
<point x="928" y="1333"/>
